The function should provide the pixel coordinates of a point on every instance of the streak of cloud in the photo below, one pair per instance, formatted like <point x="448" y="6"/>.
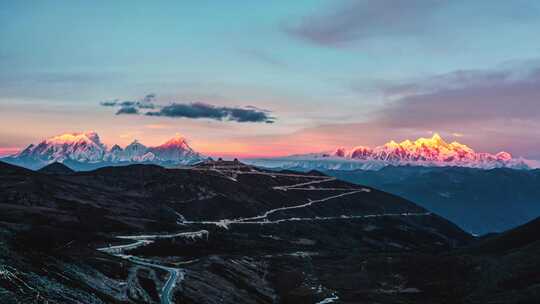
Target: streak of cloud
<point x="357" y="20"/>
<point x="349" y="21"/>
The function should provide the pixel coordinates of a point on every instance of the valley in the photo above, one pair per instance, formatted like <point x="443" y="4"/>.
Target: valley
<point x="479" y="201"/>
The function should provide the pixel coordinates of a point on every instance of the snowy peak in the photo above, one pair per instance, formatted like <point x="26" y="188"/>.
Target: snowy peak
<point x="176" y="147"/>
<point x="75" y="146"/>
<point x="178" y="142"/>
<point x="70" y="138"/>
<point x="116" y="148"/>
<point x="86" y="147"/>
<point x="175" y="150"/>
<point x="433" y="151"/>
<point x="134" y="152"/>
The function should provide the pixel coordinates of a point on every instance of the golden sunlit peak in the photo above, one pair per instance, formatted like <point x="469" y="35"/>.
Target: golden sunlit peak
<point x="436" y="136"/>
<point x="433" y="149"/>
<point x="435" y="141"/>
<point x="178" y="136"/>
<point x="406" y="142"/>
<point x="177" y="141"/>
<point x="392" y="143"/>
<point x="90" y="136"/>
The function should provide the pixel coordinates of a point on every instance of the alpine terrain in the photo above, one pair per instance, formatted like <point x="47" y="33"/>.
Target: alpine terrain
<point x="85" y="151"/>
<point x="226" y="232"/>
<point x="427" y="152"/>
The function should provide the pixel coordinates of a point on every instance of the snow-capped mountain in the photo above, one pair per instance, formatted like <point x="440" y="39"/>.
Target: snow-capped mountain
<point x="135" y="151"/>
<point x="87" y="148"/>
<point x="114" y="154"/>
<point x="83" y="147"/>
<point x="432" y="151"/>
<point x="175" y="148"/>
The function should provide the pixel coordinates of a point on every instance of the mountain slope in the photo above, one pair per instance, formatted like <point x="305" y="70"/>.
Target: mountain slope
<point x="479" y="201"/>
<point x="236" y="234"/>
<point x="225" y="232"/>
<point x="509" y="266"/>
<point x="518" y="238"/>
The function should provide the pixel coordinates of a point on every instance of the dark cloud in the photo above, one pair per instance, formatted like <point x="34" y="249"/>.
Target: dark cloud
<point x="190" y="110"/>
<point x="359" y="19"/>
<point x="464" y="98"/>
<point x="149" y="98"/>
<point x="127" y="103"/>
<point x="248" y="115"/>
<point x="127" y="110"/>
<point x="257" y="109"/>
<point x="109" y="103"/>
<point x="203" y="110"/>
<point x="145" y="103"/>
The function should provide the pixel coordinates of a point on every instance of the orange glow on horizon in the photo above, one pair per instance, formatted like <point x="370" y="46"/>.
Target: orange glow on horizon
<point x="264" y="146"/>
<point x="6" y="151"/>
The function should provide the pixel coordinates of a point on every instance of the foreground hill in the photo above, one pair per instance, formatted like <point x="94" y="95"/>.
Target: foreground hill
<point x="479" y="201"/>
<point x="56" y="168"/>
<point x="509" y="266"/>
<point x="220" y="232"/>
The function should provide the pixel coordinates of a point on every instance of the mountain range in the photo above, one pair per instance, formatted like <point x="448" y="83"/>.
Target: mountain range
<point x="85" y="151"/>
<point x="428" y="152"/>
<point x="225" y="232"/>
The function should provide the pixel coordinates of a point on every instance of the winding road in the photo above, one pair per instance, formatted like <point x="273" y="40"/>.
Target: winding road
<point x="177" y="274"/>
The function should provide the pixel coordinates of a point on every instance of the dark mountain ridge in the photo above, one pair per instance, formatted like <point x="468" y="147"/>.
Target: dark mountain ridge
<point x="56" y="168"/>
<point x="222" y="232"/>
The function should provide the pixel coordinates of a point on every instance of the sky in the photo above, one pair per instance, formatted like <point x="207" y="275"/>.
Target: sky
<point x="271" y="78"/>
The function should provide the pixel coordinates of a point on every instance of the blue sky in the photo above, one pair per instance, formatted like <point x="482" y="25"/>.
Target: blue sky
<point x="316" y="66"/>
